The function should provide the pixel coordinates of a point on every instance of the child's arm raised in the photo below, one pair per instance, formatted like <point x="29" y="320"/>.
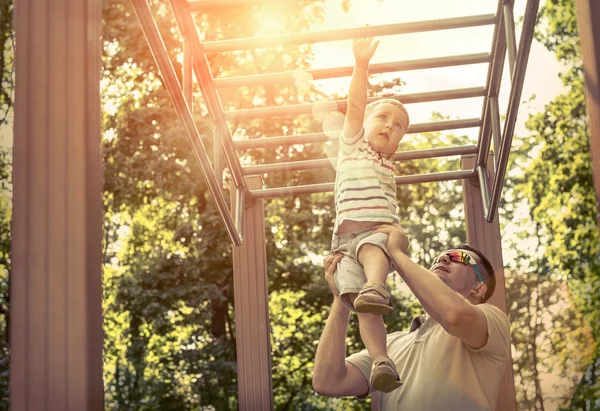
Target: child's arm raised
<point x="357" y="96"/>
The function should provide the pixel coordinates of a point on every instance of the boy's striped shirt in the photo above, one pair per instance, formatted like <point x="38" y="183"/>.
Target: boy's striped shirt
<point x="365" y="188"/>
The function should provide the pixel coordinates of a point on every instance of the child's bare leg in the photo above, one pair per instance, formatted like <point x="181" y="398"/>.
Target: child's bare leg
<point x="374" y="262"/>
<point x="384" y="375"/>
<point x="374" y="298"/>
<point x="373" y="334"/>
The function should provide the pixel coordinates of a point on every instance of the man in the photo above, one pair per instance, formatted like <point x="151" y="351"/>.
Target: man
<point x="453" y="357"/>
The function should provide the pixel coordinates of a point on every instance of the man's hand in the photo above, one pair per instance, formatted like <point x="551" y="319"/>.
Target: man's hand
<point x="398" y="240"/>
<point x="363" y="50"/>
<point x="330" y="264"/>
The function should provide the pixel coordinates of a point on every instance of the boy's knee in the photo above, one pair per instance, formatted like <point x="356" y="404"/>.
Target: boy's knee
<point x="369" y="251"/>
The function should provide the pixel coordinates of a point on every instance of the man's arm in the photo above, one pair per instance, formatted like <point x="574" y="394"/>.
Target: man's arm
<point x="451" y="310"/>
<point x="333" y="377"/>
<point x="357" y="95"/>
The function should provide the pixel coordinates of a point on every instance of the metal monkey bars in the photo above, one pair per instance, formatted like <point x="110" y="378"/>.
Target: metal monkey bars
<point x="195" y="63"/>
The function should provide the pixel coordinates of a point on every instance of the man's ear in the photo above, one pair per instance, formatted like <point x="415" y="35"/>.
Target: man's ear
<point x="479" y="292"/>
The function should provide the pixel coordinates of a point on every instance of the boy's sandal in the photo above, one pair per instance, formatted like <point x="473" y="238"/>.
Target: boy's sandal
<point x="374" y="298"/>
<point x="384" y="376"/>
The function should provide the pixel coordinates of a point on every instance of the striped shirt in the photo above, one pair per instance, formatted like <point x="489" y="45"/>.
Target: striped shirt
<point x="365" y="188"/>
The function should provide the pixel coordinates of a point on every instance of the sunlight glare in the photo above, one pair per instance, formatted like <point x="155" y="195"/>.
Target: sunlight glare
<point x="269" y="24"/>
<point x="303" y="80"/>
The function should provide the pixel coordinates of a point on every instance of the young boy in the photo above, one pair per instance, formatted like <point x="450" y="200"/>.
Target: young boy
<point x="365" y="197"/>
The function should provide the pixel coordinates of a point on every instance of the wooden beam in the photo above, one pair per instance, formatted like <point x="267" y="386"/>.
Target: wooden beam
<point x="588" y="21"/>
<point x="250" y="284"/>
<point x="486" y="237"/>
<point x="56" y="289"/>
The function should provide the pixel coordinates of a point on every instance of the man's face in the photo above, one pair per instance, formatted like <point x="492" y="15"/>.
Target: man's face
<point x="460" y="277"/>
<point x="385" y="126"/>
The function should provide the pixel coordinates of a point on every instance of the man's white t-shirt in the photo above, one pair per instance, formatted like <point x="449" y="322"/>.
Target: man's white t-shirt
<point x="439" y="371"/>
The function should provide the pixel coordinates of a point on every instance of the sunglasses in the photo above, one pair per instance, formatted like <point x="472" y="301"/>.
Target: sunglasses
<point x="459" y="256"/>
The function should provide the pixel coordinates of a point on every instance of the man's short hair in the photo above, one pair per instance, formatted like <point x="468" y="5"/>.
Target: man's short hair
<point x="392" y="101"/>
<point x="489" y="277"/>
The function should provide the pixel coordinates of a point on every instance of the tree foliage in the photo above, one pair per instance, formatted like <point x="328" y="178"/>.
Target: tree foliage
<point x="560" y="188"/>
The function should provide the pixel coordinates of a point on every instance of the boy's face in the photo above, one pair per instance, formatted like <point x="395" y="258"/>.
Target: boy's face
<point x="385" y="126"/>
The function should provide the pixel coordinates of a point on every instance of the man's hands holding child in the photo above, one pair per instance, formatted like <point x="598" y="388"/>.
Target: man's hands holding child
<point x="363" y="50"/>
<point x="398" y="240"/>
<point x="330" y="264"/>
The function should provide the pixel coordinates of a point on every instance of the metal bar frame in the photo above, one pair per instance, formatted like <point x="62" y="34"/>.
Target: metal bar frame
<point x="328" y="187"/>
<point x="311" y="138"/>
<point x="327" y="162"/>
<point x="335" y="72"/>
<point x="203" y="75"/>
<point x="503" y="39"/>
<point x="170" y="80"/>
<point x="494" y="78"/>
<point x="509" y="29"/>
<point x="195" y="58"/>
<point x="346" y="34"/>
<point x="188" y="72"/>
<point x="297" y="109"/>
<point x="513" y="105"/>
<point x="213" y="5"/>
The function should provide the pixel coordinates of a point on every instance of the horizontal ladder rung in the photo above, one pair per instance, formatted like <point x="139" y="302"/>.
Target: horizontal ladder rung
<point x="297" y="109"/>
<point x="345" y="34"/>
<point x="290" y="76"/>
<point x="327" y="162"/>
<point x="328" y="187"/>
<point x="310" y="138"/>
<point x="211" y="5"/>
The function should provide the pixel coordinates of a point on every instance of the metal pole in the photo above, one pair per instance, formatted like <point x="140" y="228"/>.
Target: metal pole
<point x="240" y="205"/>
<point x="320" y="74"/>
<point x="251" y="308"/>
<point x="345" y="34"/>
<point x="494" y="78"/>
<point x="322" y="137"/>
<point x="188" y="74"/>
<point x="219" y="136"/>
<point x="163" y="62"/>
<point x="485" y="140"/>
<point x="511" y="41"/>
<point x="495" y="117"/>
<point x="328" y="187"/>
<point x="588" y="21"/>
<point x="327" y="162"/>
<point x="187" y="27"/>
<point x="513" y="105"/>
<point x="297" y="109"/>
<point x="487" y="238"/>
<point x="485" y="191"/>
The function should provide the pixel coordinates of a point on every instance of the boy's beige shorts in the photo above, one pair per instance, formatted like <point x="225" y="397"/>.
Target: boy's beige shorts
<point x="349" y="275"/>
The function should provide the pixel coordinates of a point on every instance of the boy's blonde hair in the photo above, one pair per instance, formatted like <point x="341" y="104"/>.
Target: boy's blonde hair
<point x="392" y="101"/>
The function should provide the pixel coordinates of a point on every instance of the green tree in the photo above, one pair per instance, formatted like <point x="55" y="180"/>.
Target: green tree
<point x="550" y="338"/>
<point x="560" y="188"/>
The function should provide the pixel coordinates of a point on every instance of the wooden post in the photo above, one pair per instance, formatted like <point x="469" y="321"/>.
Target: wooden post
<point x="588" y="22"/>
<point x="56" y="286"/>
<point x="486" y="237"/>
<point x="250" y="285"/>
